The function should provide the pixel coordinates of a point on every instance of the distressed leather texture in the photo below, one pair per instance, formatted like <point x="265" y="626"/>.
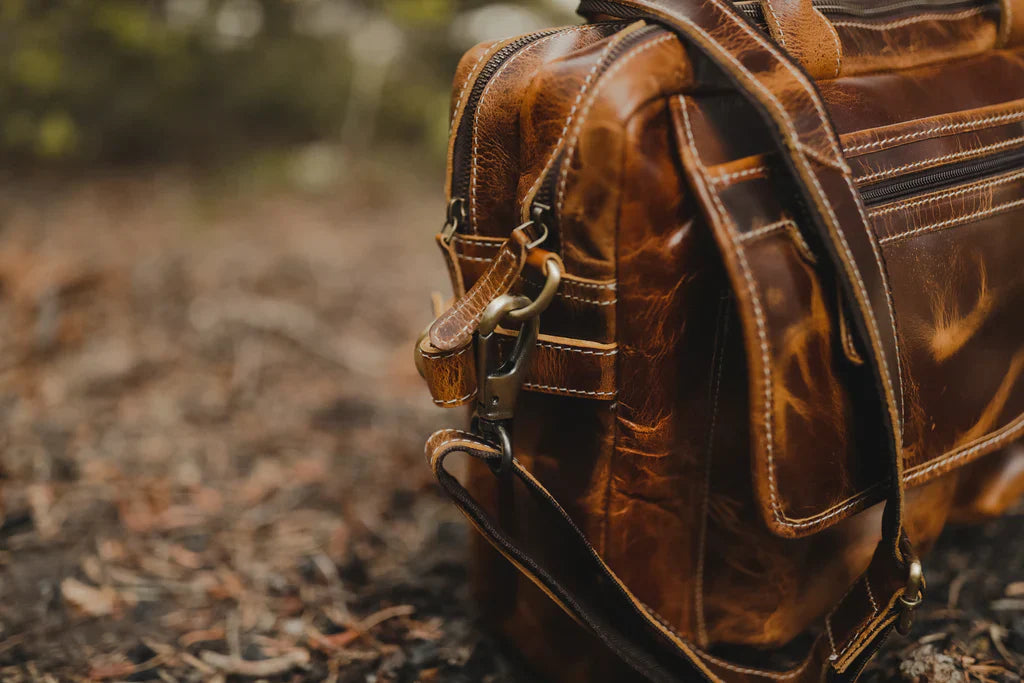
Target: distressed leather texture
<point x="790" y="318"/>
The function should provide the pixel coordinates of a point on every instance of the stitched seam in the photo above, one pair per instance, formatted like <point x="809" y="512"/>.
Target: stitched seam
<point x="1006" y="432"/>
<point x="455" y="400"/>
<point x="948" y="194"/>
<point x="778" y="24"/>
<point x="911" y="20"/>
<point x="839" y="46"/>
<point x="572" y="115"/>
<point x="476" y="318"/>
<point x="453" y="354"/>
<point x="729" y="177"/>
<point x="465" y="87"/>
<point x="968" y="125"/>
<point x="888" y="173"/>
<point x="1008" y="20"/>
<point x="585" y="352"/>
<point x="476" y="117"/>
<point x="778" y="226"/>
<point x="578" y="129"/>
<point x="954" y="221"/>
<point x="831" y="638"/>
<point x="755" y="303"/>
<point x="833" y="143"/>
<point x="777" y="511"/>
<point x="871" y="595"/>
<point x="561" y="295"/>
<point x="755" y="672"/>
<point x="545" y="387"/>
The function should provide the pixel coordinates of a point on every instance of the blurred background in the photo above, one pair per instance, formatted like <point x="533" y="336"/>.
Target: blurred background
<point x="216" y="222"/>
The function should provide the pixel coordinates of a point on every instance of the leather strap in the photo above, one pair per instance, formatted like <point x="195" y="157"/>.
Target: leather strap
<point x="564" y="367"/>
<point x="788" y="102"/>
<point x="805" y="33"/>
<point x="568" y="569"/>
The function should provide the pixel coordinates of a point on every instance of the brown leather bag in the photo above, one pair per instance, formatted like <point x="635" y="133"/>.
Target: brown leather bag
<point x="759" y="323"/>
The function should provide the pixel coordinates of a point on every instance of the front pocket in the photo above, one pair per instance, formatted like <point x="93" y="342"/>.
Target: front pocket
<point x="954" y="257"/>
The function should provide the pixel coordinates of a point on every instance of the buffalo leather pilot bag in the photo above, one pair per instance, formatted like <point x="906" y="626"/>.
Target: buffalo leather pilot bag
<point x="739" y="314"/>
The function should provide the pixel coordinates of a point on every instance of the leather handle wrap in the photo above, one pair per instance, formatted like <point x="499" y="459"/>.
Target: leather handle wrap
<point x="589" y="591"/>
<point x="805" y="33"/>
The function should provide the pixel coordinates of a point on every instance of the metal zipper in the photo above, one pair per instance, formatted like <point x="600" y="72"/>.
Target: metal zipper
<point x="462" y="155"/>
<point x="541" y="207"/>
<point x="934" y="180"/>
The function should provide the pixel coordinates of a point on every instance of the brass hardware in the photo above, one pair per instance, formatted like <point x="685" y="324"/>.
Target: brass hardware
<point x="499" y="382"/>
<point x="543" y="300"/>
<point x="914" y="588"/>
<point x="456" y="215"/>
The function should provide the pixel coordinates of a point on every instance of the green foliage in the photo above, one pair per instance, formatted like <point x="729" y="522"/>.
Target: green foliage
<point x="85" y="81"/>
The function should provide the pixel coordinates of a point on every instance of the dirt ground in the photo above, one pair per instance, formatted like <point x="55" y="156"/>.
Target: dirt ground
<point x="211" y="435"/>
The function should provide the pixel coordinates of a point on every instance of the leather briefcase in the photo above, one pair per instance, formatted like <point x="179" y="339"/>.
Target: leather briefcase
<point x="739" y="313"/>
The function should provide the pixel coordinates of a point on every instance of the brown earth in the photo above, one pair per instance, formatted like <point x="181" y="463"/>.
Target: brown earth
<point x="211" y="449"/>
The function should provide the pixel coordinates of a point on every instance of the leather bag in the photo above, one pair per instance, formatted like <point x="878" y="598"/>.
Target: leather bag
<point x="738" y="317"/>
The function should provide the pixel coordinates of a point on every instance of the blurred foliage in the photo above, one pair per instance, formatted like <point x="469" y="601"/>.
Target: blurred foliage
<point x="87" y="81"/>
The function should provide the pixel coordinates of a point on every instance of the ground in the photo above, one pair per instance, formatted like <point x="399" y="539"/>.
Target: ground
<point x="212" y="448"/>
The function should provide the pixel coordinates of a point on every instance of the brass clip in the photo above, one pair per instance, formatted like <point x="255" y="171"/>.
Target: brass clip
<point x="914" y="589"/>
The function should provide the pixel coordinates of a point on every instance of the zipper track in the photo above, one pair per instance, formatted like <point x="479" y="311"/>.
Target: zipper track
<point x="942" y="178"/>
<point x="542" y="205"/>
<point x="461" y="170"/>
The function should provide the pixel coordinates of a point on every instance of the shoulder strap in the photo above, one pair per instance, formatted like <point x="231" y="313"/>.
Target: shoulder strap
<point x="585" y="587"/>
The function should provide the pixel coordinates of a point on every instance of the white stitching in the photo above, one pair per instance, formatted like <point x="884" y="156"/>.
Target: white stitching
<point x="1006" y="432"/>
<point x="770" y="228"/>
<point x="831" y="638"/>
<point x="729" y="177"/>
<point x="578" y="129"/>
<point x="970" y="124"/>
<point x="572" y="113"/>
<point x="453" y="354"/>
<point x="911" y="20"/>
<point x="504" y="281"/>
<point x="465" y="87"/>
<point x="585" y="352"/>
<point x="778" y="24"/>
<point x="774" y="675"/>
<point x="455" y="400"/>
<point x="839" y="46"/>
<point x="871" y="595"/>
<point x="777" y="512"/>
<point x="948" y="194"/>
<point x="954" y="221"/>
<point x="476" y="118"/>
<point x="545" y="387"/>
<point x="561" y="295"/>
<point x="887" y="173"/>
<point x="855" y="195"/>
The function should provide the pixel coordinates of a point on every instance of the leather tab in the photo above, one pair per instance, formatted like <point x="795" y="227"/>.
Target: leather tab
<point x="564" y="367"/>
<point x="806" y="35"/>
<point x="455" y="327"/>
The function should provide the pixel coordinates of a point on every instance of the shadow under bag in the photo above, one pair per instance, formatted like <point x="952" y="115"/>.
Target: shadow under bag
<point x="739" y="314"/>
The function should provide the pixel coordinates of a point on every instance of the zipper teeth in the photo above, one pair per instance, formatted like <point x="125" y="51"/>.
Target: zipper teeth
<point x="931" y="181"/>
<point x="461" y="177"/>
<point x="545" y="196"/>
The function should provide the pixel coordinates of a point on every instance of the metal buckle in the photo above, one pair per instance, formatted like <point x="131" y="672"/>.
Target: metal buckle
<point x="500" y="380"/>
<point x="914" y="588"/>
